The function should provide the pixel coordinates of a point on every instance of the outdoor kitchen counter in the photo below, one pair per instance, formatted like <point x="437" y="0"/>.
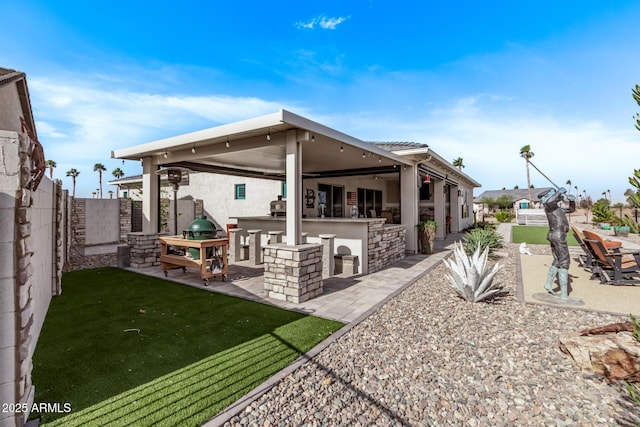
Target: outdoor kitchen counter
<point x="352" y="234"/>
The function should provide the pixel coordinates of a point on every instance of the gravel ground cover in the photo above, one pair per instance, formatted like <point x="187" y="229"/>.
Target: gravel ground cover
<point x="430" y="358"/>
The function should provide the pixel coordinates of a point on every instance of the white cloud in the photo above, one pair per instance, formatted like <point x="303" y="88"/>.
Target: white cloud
<point x="91" y="121"/>
<point x="488" y="137"/>
<point x="322" y="22"/>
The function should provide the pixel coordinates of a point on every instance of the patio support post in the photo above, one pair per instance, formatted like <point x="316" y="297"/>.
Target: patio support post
<point x="409" y="199"/>
<point x="439" y="206"/>
<point x="294" y="140"/>
<point x="150" y="196"/>
<point x="456" y="212"/>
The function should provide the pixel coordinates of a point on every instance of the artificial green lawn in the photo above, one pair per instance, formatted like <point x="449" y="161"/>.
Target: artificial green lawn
<point x="128" y="349"/>
<point x="535" y="235"/>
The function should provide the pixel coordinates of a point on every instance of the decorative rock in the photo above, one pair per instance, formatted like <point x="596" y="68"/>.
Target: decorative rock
<point x="425" y="347"/>
<point x="613" y="355"/>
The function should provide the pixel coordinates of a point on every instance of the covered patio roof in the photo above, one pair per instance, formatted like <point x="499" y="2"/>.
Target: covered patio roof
<point x="257" y="148"/>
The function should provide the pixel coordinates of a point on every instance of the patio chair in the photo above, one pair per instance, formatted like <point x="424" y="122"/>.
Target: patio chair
<point x="609" y="244"/>
<point x="615" y="266"/>
<point x="585" y="260"/>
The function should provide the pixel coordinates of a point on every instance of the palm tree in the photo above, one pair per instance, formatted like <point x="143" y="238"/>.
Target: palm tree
<point x="526" y="153"/>
<point x="458" y="163"/>
<point x="73" y="173"/>
<point x="99" y="167"/>
<point x="609" y="192"/>
<point x="569" y="184"/>
<point x="51" y="165"/>
<point x="118" y="173"/>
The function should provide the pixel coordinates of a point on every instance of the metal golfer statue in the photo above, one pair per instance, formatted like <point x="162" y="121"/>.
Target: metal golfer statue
<point x="557" y="236"/>
<point x="552" y="201"/>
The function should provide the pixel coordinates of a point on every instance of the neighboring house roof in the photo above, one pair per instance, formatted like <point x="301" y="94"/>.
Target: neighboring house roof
<point x="8" y="76"/>
<point x="519" y="194"/>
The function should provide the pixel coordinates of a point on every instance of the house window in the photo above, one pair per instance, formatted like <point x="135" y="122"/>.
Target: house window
<point x="241" y="192"/>
<point x="125" y="194"/>
<point x="369" y="200"/>
<point x="283" y="189"/>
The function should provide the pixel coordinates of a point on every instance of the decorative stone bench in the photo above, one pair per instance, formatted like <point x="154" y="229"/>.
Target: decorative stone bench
<point x="346" y="265"/>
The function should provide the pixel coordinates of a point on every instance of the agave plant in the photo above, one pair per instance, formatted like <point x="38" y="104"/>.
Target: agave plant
<point x="470" y="276"/>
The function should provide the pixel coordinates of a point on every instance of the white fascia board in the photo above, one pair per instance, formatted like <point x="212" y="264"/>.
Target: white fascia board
<point x="132" y="180"/>
<point x="452" y="170"/>
<point x="412" y="151"/>
<point x="319" y="129"/>
<point x="188" y="139"/>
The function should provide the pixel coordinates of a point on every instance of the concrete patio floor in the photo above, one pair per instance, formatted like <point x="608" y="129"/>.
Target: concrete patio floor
<point x="344" y="299"/>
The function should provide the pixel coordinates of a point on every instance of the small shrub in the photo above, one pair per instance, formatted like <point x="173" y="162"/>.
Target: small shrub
<point x="602" y="213"/>
<point x="504" y="216"/>
<point x="633" y="226"/>
<point x="469" y="275"/>
<point x="482" y="224"/>
<point x="482" y="238"/>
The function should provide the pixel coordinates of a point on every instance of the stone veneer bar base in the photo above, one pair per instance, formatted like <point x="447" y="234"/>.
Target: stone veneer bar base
<point x="293" y="273"/>
<point x="145" y="249"/>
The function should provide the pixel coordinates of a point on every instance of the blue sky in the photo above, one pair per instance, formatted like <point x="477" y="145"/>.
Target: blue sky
<point x="476" y="80"/>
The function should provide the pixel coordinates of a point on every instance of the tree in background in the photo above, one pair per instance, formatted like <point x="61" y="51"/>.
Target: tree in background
<point x="505" y="201"/>
<point x="585" y="204"/>
<point x="526" y="153"/>
<point x="489" y="201"/>
<point x="118" y="173"/>
<point x="51" y="165"/>
<point x="619" y="206"/>
<point x="99" y="167"/>
<point x="73" y="173"/>
<point x="458" y="163"/>
<point x="569" y="186"/>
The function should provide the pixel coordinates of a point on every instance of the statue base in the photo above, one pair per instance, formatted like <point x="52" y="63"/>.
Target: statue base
<point x="553" y="299"/>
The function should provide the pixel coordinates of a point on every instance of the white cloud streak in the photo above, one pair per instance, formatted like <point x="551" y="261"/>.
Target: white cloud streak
<point x="323" y="22"/>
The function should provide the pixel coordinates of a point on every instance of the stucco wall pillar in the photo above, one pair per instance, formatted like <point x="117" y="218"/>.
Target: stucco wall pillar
<point x="293" y="143"/>
<point x="409" y="199"/>
<point x="454" y="208"/>
<point x="439" y="206"/>
<point x="150" y="196"/>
